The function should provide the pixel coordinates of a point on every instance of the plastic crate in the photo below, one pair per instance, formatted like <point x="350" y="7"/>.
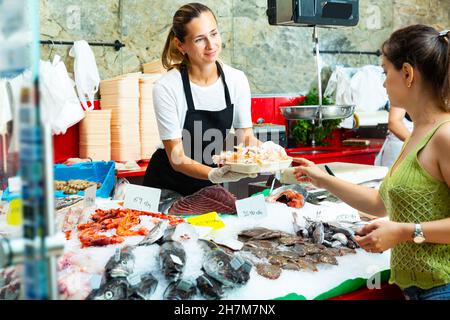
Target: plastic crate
<point x="97" y="171"/>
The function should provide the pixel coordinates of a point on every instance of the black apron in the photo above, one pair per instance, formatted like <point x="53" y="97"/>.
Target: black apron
<point x="160" y="174"/>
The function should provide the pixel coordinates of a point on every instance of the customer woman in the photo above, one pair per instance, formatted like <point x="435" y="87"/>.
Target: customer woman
<point x="416" y="191"/>
<point x="196" y="104"/>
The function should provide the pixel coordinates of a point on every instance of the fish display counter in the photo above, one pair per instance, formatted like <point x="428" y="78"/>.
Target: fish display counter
<point x="292" y="252"/>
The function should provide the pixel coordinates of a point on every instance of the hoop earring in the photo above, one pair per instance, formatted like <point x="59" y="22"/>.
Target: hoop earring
<point x="409" y="85"/>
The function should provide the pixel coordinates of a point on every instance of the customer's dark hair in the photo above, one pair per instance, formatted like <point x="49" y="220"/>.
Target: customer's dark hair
<point x="427" y="50"/>
<point x="171" y="56"/>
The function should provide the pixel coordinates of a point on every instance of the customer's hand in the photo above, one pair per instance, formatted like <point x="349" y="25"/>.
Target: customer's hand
<point x="308" y="171"/>
<point x="379" y="235"/>
<point x="223" y="174"/>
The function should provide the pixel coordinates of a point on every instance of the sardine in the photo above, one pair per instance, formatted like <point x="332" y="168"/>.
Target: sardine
<point x="341" y="238"/>
<point x="318" y="233"/>
<point x="336" y="244"/>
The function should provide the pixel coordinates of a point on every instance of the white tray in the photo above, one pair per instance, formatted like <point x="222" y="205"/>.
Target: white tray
<point x="259" y="168"/>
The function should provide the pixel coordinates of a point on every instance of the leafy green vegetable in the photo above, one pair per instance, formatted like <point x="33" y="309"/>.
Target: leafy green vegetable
<point x="302" y="130"/>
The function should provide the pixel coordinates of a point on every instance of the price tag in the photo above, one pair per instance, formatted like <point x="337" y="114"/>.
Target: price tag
<point x="14" y="215"/>
<point x="15" y="184"/>
<point x="210" y="219"/>
<point x="142" y="198"/>
<point x="253" y="207"/>
<point x="89" y="196"/>
<point x="117" y="255"/>
<point x="237" y="262"/>
<point x="96" y="281"/>
<point x="176" y="259"/>
<point x="134" y="279"/>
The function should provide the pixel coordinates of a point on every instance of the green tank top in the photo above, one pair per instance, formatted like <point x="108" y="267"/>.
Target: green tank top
<point x="411" y="195"/>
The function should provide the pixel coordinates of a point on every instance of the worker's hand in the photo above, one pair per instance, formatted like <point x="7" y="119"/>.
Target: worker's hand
<point x="307" y="171"/>
<point x="379" y="235"/>
<point x="223" y="174"/>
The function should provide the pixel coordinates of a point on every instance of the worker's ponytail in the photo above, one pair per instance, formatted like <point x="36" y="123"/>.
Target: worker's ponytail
<point x="171" y="56"/>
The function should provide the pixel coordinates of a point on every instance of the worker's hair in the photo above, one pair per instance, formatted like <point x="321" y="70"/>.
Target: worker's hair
<point x="427" y="50"/>
<point x="171" y="56"/>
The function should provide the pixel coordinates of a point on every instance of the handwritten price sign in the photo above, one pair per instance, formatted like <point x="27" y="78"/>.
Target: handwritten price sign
<point x="253" y="207"/>
<point x="142" y="198"/>
<point x="89" y="196"/>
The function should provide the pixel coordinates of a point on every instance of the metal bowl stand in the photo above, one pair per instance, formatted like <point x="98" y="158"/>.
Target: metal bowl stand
<point x="318" y="115"/>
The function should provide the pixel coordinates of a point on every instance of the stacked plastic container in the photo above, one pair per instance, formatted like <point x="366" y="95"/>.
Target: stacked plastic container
<point x="154" y="66"/>
<point x="148" y="127"/>
<point x="120" y="95"/>
<point x="95" y="135"/>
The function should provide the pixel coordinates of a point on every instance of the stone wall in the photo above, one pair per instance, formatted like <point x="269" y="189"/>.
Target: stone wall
<point x="433" y="12"/>
<point x="276" y="60"/>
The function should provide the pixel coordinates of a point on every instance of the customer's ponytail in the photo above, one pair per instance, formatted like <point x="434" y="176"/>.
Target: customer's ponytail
<point x="445" y="37"/>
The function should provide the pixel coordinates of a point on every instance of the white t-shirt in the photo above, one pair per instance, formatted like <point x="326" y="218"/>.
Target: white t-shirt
<point x="171" y="106"/>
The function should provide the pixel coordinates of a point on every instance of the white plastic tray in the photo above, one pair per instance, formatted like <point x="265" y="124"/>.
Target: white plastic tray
<point x="259" y="168"/>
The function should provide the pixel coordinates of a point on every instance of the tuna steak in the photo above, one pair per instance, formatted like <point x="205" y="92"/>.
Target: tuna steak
<point x="213" y="198"/>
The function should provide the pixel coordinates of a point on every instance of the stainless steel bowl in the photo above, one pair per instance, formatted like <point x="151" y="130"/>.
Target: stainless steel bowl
<point x="310" y="112"/>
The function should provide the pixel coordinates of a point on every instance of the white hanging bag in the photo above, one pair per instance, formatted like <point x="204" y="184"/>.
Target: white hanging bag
<point x="87" y="78"/>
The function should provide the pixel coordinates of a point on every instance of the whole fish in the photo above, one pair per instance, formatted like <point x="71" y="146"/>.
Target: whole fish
<point x="318" y="233"/>
<point x="341" y="238"/>
<point x="169" y="233"/>
<point x="209" y="287"/>
<point x="269" y="271"/>
<point x="299" y="229"/>
<point x="141" y="286"/>
<point x="230" y="271"/>
<point x="121" y="264"/>
<point x="115" y="289"/>
<point x="335" y="227"/>
<point x="172" y="259"/>
<point x="180" y="290"/>
<point x="155" y="233"/>
<point x="261" y="233"/>
<point x="325" y="258"/>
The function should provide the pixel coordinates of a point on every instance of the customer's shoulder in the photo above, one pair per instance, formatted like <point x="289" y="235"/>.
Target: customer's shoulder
<point x="442" y="135"/>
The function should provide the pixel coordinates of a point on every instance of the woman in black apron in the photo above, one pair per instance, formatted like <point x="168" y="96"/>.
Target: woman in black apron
<point x="160" y="171"/>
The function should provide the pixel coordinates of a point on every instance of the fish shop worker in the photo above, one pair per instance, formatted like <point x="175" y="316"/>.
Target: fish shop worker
<point x="196" y="103"/>
<point x="400" y="126"/>
<point x="415" y="193"/>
